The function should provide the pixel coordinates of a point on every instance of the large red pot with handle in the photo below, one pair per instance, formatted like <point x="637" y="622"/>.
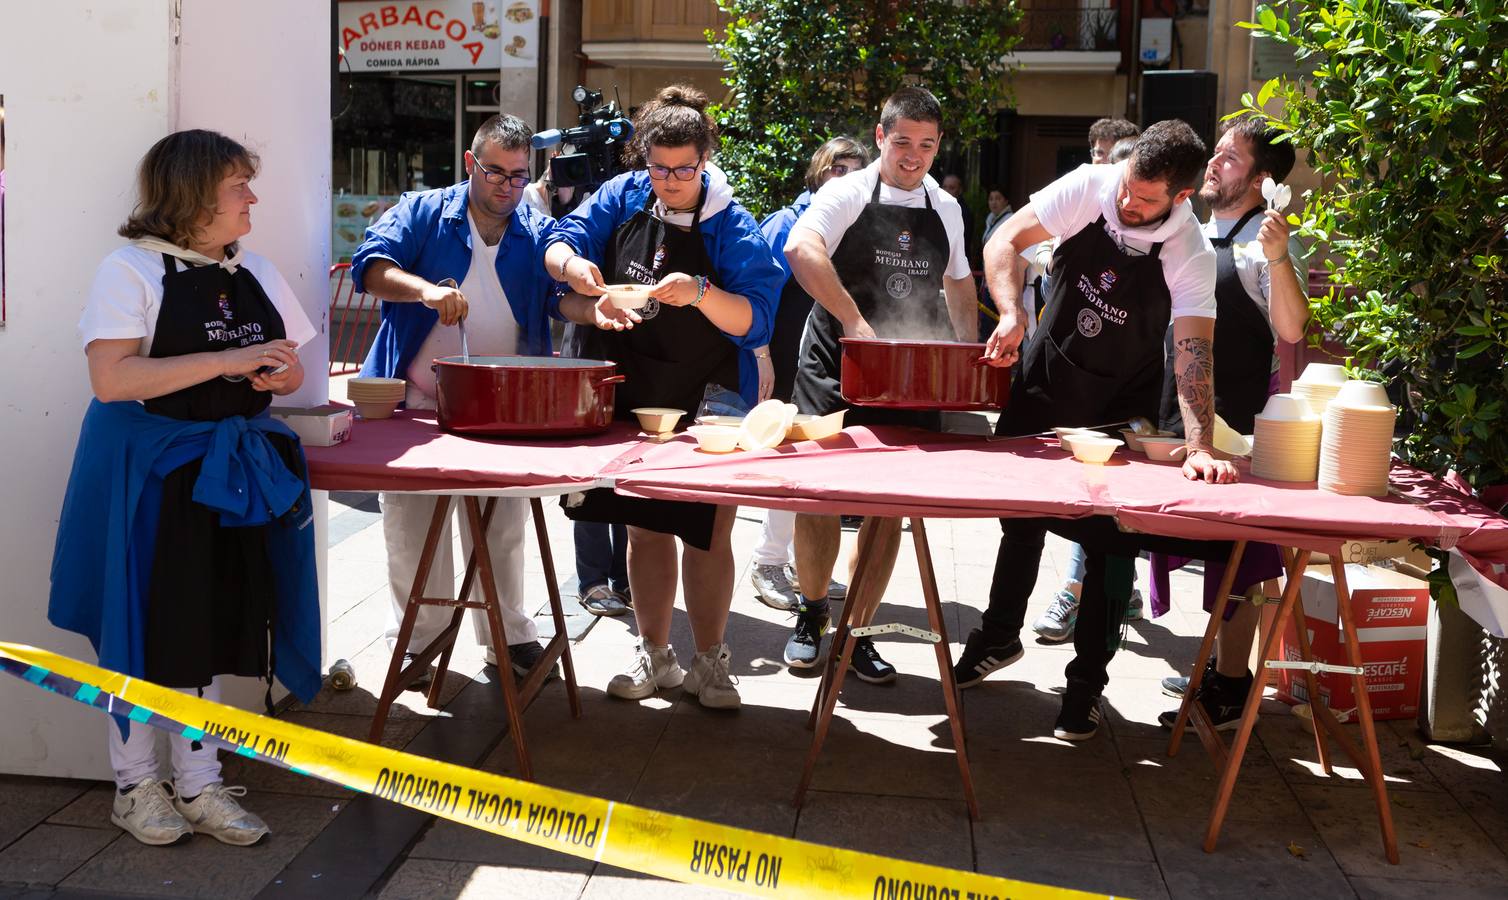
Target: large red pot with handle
<point x="525" y="396"/>
<point x="940" y="375"/>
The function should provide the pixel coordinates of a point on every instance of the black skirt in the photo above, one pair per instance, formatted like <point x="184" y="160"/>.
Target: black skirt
<point x="212" y="593"/>
<point x="691" y="522"/>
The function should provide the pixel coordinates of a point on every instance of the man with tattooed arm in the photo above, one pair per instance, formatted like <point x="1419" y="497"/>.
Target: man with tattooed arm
<point x="1131" y="257"/>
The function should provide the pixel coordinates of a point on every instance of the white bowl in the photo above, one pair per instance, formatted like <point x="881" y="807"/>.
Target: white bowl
<point x="1163" y="449"/>
<point x="628" y="296"/>
<point x="766" y="425"/>
<point x="658" y="419"/>
<point x="1063" y="431"/>
<point x="1093" y="450"/>
<point x="807" y="427"/>
<point x="733" y="421"/>
<point x="715" y="438"/>
<point x="1133" y="440"/>
<point x="1324" y="373"/>
<point x="1362" y="393"/>
<point x="1287" y="407"/>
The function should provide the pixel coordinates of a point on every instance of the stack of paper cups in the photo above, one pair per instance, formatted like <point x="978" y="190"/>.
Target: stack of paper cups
<point x="1286" y="443"/>
<point x="1319" y="384"/>
<point x="1357" y="450"/>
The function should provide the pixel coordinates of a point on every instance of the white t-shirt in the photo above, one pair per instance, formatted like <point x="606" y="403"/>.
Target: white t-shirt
<point x="491" y="329"/>
<point x="838" y="204"/>
<point x="1251" y="260"/>
<point x="127" y="294"/>
<point x="1078" y="199"/>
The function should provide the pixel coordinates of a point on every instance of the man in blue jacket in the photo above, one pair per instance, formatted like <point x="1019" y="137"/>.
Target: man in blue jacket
<point x="490" y="245"/>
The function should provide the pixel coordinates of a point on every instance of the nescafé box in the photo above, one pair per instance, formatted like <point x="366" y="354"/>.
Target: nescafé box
<point x="1391" y="613"/>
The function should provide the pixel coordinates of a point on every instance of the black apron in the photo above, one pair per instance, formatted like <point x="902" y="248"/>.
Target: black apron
<point x="211" y="591"/>
<point x="668" y="359"/>
<point x="1096" y="357"/>
<point x="671" y="357"/>
<point x="891" y="260"/>
<point x="1243" y="347"/>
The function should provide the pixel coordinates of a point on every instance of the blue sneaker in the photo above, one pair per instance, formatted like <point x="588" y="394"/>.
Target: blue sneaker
<point x="1056" y="624"/>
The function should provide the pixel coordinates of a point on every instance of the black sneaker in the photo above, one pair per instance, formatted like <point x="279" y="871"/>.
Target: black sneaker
<point x="1223" y="698"/>
<point x="804" y="647"/>
<point x="522" y="658"/>
<point x="425" y="679"/>
<point x="1176" y="686"/>
<point x="980" y="658"/>
<point x="1079" y="720"/>
<point x="867" y="664"/>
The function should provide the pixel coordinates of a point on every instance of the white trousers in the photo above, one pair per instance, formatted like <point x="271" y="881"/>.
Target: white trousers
<point x="775" y="545"/>
<point x="135" y="758"/>
<point x="405" y="522"/>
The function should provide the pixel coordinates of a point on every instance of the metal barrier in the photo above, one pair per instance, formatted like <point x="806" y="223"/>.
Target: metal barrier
<point x="353" y="321"/>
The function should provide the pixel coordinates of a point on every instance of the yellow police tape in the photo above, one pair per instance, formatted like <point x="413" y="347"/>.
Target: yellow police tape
<point x="630" y="837"/>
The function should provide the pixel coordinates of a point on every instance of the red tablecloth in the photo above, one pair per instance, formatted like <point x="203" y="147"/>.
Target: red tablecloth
<point x="891" y="471"/>
<point x="903" y="472"/>
<point x="409" y="452"/>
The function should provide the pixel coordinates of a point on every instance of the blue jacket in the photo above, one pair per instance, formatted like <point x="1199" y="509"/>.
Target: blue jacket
<point x="776" y="227"/>
<point x="102" y="562"/>
<point x="426" y="235"/>
<point x="739" y="254"/>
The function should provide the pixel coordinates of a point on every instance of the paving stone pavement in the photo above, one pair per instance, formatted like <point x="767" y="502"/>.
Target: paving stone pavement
<point x="1112" y="815"/>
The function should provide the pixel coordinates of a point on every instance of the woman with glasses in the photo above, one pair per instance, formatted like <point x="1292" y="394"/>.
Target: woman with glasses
<point x="184" y="552"/>
<point x="773" y="557"/>
<point x="672" y="225"/>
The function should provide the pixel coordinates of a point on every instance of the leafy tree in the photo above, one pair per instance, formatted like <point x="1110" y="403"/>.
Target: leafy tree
<point x="1403" y="116"/>
<point x="801" y="72"/>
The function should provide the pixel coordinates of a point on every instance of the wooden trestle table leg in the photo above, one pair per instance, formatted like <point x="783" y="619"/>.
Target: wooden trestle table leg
<point x="397" y="675"/>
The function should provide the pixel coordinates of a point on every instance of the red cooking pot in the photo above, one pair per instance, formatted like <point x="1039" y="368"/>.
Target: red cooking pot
<point x="939" y="375"/>
<point x="524" y="396"/>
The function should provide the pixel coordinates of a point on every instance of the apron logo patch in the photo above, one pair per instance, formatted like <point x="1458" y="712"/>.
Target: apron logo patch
<point x="659" y="258"/>
<point x="1089" y="323"/>
<point x="224" y="302"/>
<point x="903" y="240"/>
<point x="1107" y="279"/>
<point x="898" y="285"/>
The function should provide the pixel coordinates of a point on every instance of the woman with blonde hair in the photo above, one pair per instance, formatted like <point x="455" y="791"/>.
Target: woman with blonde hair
<point x="674" y="226"/>
<point x="184" y="551"/>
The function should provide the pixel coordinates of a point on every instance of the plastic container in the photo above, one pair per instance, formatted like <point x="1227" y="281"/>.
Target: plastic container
<point x="715" y="438"/>
<point x="1093" y="450"/>
<point x="766" y="425"/>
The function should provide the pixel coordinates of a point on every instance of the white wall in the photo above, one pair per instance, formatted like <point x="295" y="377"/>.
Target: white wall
<point x="88" y="88"/>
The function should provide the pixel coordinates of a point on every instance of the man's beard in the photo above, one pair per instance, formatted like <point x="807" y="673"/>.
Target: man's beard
<point x="1223" y="197"/>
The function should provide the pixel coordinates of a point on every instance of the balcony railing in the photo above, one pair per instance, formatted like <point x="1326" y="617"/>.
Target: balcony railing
<point x="1070" y="25"/>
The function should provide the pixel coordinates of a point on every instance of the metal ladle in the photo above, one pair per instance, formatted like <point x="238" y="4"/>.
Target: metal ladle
<point x="461" y="322"/>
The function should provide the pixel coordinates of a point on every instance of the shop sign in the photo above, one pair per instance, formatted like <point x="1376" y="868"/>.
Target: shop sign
<point x="431" y="35"/>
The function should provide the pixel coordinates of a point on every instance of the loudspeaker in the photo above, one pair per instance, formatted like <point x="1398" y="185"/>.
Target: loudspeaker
<point x="1182" y="94"/>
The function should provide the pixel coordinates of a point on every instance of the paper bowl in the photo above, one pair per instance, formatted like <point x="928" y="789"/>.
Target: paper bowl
<point x="806" y="427"/>
<point x="1287" y="407"/>
<point x="1133" y="440"/>
<point x="715" y="438"/>
<point x="375" y="389"/>
<point x="1063" y="431"/>
<point x="731" y="421"/>
<point x="1093" y="450"/>
<point x="1163" y="449"/>
<point x="376" y="409"/>
<point x="628" y="296"/>
<point x="766" y="425"/>
<point x="1362" y="393"/>
<point x="658" y="419"/>
<point x="1324" y="373"/>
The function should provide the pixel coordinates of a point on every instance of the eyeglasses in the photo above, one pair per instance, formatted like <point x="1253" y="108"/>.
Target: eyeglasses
<point x="841" y="169"/>
<point x="497" y="176"/>
<point x="681" y="173"/>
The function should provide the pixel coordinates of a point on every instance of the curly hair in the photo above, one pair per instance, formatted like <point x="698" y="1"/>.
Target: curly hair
<point x="1112" y="130"/>
<point x="178" y="184"/>
<point x="676" y="117"/>
<point x="1171" y="152"/>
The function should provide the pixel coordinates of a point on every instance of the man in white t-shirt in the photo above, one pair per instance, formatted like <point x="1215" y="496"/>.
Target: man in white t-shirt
<point x="882" y="253"/>
<point x="1131" y="258"/>
<point x="1259" y="288"/>
<point x="470" y="251"/>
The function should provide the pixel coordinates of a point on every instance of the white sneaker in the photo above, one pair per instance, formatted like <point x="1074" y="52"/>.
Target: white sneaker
<point x="654" y="668"/>
<point x="216" y="813"/>
<point x="710" y="680"/>
<point x="146" y="813"/>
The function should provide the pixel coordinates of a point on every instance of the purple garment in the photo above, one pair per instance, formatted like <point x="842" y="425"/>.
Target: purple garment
<point x="1259" y="563"/>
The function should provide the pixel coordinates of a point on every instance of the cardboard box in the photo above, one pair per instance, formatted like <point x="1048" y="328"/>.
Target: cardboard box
<point x="1391" y="613"/>
<point x="316" y="426"/>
